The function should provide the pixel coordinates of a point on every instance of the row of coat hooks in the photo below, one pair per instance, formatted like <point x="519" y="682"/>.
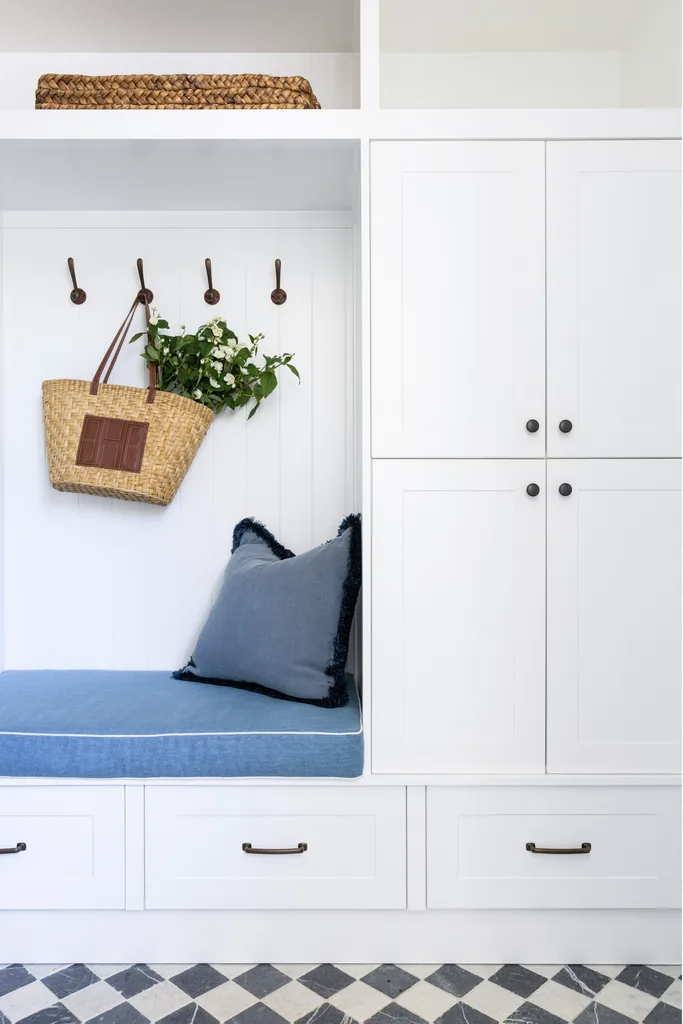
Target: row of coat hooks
<point x="211" y="295"/>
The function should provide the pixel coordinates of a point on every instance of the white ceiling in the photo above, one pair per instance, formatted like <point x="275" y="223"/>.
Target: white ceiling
<point x="177" y="175"/>
<point x="524" y="25"/>
<point x="221" y="26"/>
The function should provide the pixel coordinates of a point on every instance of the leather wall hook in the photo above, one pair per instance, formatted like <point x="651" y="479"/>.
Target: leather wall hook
<point x="279" y="296"/>
<point x="211" y="295"/>
<point x="144" y="294"/>
<point x="77" y="295"/>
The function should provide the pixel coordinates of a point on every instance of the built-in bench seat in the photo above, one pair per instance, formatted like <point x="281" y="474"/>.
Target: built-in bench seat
<point x="135" y="725"/>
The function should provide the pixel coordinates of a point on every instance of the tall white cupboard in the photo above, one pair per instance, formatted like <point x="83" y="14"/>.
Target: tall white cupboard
<point x="525" y="435"/>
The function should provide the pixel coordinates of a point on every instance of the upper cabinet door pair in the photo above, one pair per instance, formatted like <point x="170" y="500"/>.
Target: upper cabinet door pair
<point x="467" y="237"/>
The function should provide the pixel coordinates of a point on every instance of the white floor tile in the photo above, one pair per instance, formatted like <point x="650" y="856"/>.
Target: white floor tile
<point x="427" y="1001"/>
<point x="293" y="970"/>
<point x="232" y="970"/>
<point x="226" y="1001"/>
<point x="493" y="1000"/>
<point x="673" y="970"/>
<point x="673" y="994"/>
<point x="40" y="971"/>
<point x="483" y="970"/>
<point x="558" y="999"/>
<point x="360" y="970"/>
<point x="630" y="1001"/>
<point x="545" y="970"/>
<point x="609" y="970"/>
<point x="419" y="970"/>
<point x="360" y="1001"/>
<point x="157" y="1002"/>
<point x="107" y="970"/>
<point x="22" y="1002"/>
<point x="92" y="1000"/>
<point x="293" y="1001"/>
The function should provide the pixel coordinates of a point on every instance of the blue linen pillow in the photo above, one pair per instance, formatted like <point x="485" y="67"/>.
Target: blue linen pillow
<point x="281" y="623"/>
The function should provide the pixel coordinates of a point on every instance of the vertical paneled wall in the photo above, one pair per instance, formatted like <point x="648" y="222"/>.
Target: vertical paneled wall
<point x="99" y="583"/>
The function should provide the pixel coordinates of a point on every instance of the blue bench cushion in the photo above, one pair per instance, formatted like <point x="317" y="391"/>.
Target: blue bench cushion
<point x="140" y="725"/>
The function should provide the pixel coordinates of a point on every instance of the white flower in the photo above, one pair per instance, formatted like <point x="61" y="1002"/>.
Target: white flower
<point x="216" y="331"/>
<point x="165" y="349"/>
<point x="213" y="383"/>
<point x="197" y="394"/>
<point x="154" y="320"/>
<point x="218" y="367"/>
<point x="229" y="379"/>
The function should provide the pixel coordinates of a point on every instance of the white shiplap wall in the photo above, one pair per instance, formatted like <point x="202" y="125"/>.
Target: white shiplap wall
<point x="100" y="583"/>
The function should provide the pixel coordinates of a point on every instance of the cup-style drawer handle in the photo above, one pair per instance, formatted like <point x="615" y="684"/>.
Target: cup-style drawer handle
<point x="19" y="848"/>
<point x="248" y="848"/>
<point x="584" y="848"/>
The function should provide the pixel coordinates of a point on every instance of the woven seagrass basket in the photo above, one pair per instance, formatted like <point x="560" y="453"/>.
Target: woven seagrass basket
<point x="120" y="442"/>
<point x="174" y="92"/>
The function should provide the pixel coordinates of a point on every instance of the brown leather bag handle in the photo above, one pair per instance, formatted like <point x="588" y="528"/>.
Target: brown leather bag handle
<point x="117" y="345"/>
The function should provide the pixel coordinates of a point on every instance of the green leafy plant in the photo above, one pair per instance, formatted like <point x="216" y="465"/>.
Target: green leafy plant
<point x="212" y="366"/>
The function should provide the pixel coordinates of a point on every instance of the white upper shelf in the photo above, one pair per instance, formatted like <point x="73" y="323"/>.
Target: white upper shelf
<point x="290" y="125"/>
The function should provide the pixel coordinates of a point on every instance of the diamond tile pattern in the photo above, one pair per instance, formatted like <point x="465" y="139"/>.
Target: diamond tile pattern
<point x="340" y="994"/>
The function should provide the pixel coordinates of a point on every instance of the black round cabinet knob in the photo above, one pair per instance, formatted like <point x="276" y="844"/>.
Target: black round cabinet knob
<point x="566" y="426"/>
<point x="533" y="490"/>
<point x="532" y="426"/>
<point x="565" y="490"/>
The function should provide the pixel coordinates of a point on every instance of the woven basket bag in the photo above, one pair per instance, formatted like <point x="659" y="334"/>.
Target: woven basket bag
<point x="174" y="92"/>
<point x="120" y="442"/>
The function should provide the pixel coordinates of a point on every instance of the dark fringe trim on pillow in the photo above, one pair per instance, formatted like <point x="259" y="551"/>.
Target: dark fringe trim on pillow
<point x="265" y="691"/>
<point x="253" y="525"/>
<point x="339" y="695"/>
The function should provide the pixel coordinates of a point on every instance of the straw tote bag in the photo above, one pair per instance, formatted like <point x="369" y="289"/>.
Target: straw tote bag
<point x="120" y="442"/>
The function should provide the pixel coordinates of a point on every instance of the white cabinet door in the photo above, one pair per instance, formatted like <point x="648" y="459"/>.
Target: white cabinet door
<point x="458" y="299"/>
<point x="614" y="322"/>
<point x="614" y="616"/>
<point x="458" y="616"/>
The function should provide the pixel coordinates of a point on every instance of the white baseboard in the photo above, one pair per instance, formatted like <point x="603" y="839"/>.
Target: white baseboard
<point x="534" y="936"/>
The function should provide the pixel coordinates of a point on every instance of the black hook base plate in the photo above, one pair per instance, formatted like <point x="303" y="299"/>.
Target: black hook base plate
<point x="146" y="293"/>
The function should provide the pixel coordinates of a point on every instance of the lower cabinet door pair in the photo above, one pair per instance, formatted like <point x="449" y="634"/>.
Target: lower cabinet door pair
<point x="468" y="560"/>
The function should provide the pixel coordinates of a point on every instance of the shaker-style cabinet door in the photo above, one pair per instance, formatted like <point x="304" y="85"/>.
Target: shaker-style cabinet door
<point x="614" y="318"/>
<point x="458" y="299"/>
<point x="458" y="616"/>
<point x="614" y="615"/>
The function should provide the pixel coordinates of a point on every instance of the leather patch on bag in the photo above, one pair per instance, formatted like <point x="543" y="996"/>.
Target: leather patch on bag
<point x="112" y="444"/>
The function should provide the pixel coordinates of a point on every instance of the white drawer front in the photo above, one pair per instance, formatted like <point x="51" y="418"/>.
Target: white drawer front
<point x="354" y="858"/>
<point x="74" y="856"/>
<point x="477" y="854"/>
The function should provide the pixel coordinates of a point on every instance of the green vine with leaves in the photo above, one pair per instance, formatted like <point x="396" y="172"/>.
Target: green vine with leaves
<point x="212" y="366"/>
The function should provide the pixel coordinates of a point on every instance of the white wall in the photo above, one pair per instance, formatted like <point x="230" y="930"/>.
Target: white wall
<point x="100" y="583"/>
<point x="500" y="80"/>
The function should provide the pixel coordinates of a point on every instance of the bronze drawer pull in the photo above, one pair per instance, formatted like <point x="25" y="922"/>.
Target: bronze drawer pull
<point x="19" y="848"/>
<point x="248" y="848"/>
<point x="584" y="848"/>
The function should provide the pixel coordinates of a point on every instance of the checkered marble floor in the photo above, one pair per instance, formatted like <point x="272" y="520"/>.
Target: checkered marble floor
<point x="338" y="994"/>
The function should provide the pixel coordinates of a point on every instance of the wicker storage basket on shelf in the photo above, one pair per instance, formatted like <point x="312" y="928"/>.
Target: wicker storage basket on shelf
<point x="174" y="92"/>
<point x="120" y="442"/>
